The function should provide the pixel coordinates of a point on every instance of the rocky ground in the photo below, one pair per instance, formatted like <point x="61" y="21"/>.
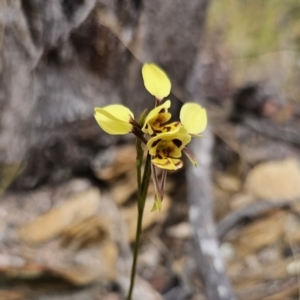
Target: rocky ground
<point x="72" y="240"/>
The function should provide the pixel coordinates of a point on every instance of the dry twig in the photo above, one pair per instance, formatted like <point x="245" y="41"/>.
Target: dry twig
<point x="208" y="258"/>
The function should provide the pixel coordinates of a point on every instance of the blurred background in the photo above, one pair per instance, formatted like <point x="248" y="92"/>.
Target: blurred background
<point x="68" y="190"/>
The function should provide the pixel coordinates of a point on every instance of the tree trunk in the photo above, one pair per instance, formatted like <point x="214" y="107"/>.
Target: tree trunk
<point x="61" y="58"/>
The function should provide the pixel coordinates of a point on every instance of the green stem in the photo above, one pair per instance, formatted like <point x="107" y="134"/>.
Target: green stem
<point x="142" y="194"/>
<point x="146" y="181"/>
<point x="139" y="162"/>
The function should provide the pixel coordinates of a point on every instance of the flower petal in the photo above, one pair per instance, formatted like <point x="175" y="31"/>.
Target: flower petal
<point x="178" y="138"/>
<point x="159" y="115"/>
<point x="114" y="119"/>
<point x="168" y="163"/>
<point x="156" y="81"/>
<point x="193" y="118"/>
<point x="171" y="127"/>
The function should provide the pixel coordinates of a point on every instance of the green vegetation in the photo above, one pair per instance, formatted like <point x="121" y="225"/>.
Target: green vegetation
<point x="260" y="38"/>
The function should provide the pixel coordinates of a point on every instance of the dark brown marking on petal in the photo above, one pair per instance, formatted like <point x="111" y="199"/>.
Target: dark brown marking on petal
<point x="157" y="121"/>
<point x="163" y="110"/>
<point x="156" y="142"/>
<point x="176" y="124"/>
<point x="178" y="164"/>
<point x="168" y="128"/>
<point x="177" y="143"/>
<point x="146" y="127"/>
<point x="159" y="156"/>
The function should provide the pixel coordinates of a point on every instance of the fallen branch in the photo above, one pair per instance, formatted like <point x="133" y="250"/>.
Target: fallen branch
<point x="208" y="258"/>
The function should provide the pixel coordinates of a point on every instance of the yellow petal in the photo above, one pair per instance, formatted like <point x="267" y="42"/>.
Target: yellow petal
<point x="179" y="138"/>
<point x="168" y="163"/>
<point x="193" y="118"/>
<point x="160" y="112"/>
<point x="114" y="119"/>
<point x="156" y="81"/>
<point x="171" y="127"/>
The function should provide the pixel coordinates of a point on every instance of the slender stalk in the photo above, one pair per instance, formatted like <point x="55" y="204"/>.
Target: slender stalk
<point x="135" y="254"/>
<point x="142" y="194"/>
<point x="139" y="162"/>
<point x="146" y="180"/>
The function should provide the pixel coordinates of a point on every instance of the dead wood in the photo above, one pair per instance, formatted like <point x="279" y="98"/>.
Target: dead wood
<point x="207" y="255"/>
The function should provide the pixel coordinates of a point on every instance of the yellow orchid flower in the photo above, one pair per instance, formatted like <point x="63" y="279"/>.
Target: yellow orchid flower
<point x="193" y="117"/>
<point x="114" y="119"/>
<point x="156" y="118"/>
<point x="156" y="82"/>
<point x="165" y="141"/>
<point x="166" y="148"/>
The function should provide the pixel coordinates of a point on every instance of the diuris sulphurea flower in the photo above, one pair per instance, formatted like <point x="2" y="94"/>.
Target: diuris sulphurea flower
<point x="164" y="141"/>
<point x="171" y="138"/>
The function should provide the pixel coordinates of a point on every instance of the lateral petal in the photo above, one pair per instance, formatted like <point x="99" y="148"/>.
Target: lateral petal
<point x="114" y="119"/>
<point x="193" y="117"/>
